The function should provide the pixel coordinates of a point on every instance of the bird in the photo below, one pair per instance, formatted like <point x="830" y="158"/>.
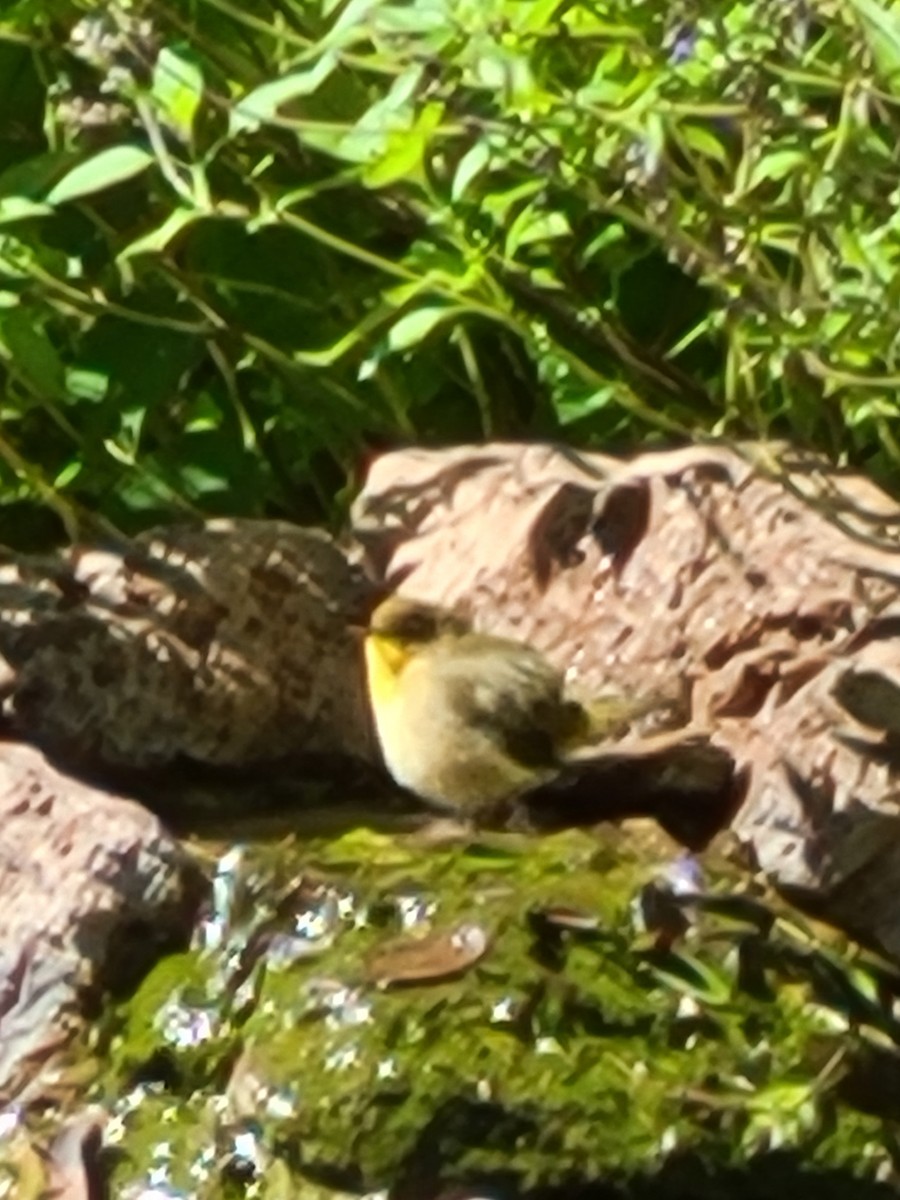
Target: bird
<point x="466" y="720"/>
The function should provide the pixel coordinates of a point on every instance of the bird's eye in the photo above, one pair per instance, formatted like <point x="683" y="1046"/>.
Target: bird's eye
<point x="420" y="628"/>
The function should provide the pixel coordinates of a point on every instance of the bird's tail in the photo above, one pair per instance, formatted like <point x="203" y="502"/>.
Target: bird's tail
<point x="607" y="718"/>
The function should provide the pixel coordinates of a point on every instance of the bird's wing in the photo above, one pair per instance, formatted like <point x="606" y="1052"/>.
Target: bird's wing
<point x="515" y="699"/>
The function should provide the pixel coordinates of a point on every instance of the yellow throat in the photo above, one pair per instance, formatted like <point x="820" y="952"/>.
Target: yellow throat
<point x="386" y="658"/>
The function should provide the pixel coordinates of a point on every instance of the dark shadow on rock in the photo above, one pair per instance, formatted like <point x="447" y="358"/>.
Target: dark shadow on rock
<point x="689" y="786"/>
<point x="310" y="796"/>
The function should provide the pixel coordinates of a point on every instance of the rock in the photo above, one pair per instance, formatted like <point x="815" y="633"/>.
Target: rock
<point x="93" y="890"/>
<point x="223" y="644"/>
<point x="759" y="591"/>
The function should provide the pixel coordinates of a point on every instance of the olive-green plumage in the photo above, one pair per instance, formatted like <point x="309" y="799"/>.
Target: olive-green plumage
<point x="466" y="719"/>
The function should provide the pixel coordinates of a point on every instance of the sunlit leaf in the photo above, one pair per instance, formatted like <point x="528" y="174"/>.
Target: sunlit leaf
<point x="379" y="131"/>
<point x="533" y="225"/>
<point x="158" y="240"/>
<point x="608" y="239"/>
<point x="776" y="166"/>
<point x="584" y="402"/>
<point x="178" y="88"/>
<point x="882" y="25"/>
<point x="263" y="104"/>
<point x="498" y="204"/>
<point x="704" y="142"/>
<point x="205" y="414"/>
<point x="18" y="208"/>
<point x="69" y="473"/>
<point x="415" y="326"/>
<point x="402" y="158"/>
<point x="470" y="166"/>
<point x="405" y="151"/>
<point x="199" y="481"/>
<point x="84" y="384"/>
<point x="33" y="177"/>
<point x="103" y="170"/>
<point x="536" y="17"/>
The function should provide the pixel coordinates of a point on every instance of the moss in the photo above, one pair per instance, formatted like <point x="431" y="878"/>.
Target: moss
<point x="582" y="1046"/>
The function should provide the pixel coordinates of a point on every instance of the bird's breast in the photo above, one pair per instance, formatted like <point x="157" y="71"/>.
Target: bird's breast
<point x="404" y="748"/>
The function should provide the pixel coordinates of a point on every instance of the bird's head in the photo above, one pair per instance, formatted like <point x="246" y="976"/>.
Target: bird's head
<point x="412" y="623"/>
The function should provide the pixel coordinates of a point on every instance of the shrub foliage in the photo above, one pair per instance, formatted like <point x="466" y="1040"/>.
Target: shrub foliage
<point x="243" y="244"/>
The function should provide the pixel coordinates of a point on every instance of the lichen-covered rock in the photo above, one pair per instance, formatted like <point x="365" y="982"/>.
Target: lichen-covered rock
<point x="760" y="592"/>
<point x="92" y="889"/>
<point x="225" y="643"/>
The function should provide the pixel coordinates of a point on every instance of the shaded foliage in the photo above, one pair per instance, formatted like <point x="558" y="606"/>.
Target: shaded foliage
<point x="242" y="245"/>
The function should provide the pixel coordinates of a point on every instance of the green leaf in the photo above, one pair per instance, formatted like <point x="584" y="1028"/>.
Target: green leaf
<point x="261" y="106"/>
<point x="402" y="158"/>
<point x="533" y="225"/>
<point x="145" y="365"/>
<point x="68" y="474"/>
<point x="470" y="166"/>
<point x="687" y="973"/>
<point x="18" y="208"/>
<point x="33" y="355"/>
<point x="139" y="493"/>
<point x="704" y="142"/>
<point x="882" y="26"/>
<point x="406" y="150"/>
<point x="537" y="16"/>
<point x="415" y="326"/>
<point x="157" y="240"/>
<point x="96" y="174"/>
<point x="84" y="384"/>
<point x="879" y="406"/>
<point x="583" y="402"/>
<point x="369" y="139"/>
<point x="498" y="204"/>
<point x="775" y="166"/>
<point x="204" y="415"/>
<point x="199" y="481"/>
<point x="613" y="235"/>
<point x="423" y="19"/>
<point x="178" y="89"/>
<point x="124" y="447"/>
<point x="34" y="176"/>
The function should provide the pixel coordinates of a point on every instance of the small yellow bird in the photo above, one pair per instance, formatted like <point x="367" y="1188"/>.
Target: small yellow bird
<point x="465" y="719"/>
